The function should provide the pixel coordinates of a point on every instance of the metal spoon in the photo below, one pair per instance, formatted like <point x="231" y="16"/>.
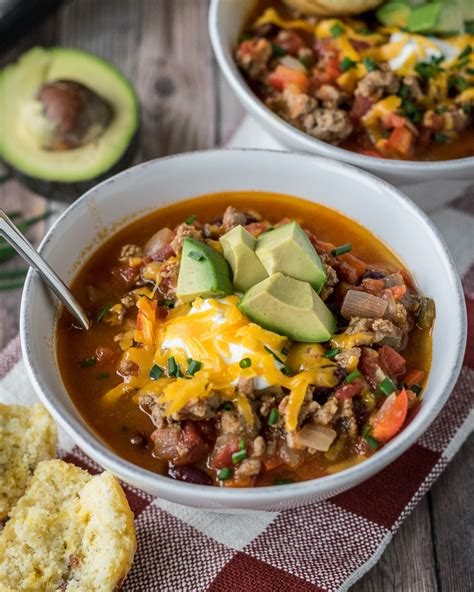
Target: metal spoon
<point x="16" y="239"/>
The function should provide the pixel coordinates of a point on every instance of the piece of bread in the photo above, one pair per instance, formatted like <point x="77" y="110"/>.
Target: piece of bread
<point x="333" y="7"/>
<point x="28" y="435"/>
<point x="71" y="531"/>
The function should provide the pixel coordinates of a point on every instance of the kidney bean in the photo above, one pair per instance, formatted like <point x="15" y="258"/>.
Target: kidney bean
<point x="189" y="474"/>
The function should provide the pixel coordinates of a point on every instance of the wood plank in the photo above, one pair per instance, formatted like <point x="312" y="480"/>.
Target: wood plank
<point x="407" y="563"/>
<point x="452" y="509"/>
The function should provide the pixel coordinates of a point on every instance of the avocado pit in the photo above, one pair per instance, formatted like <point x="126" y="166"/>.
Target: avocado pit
<point x="73" y="115"/>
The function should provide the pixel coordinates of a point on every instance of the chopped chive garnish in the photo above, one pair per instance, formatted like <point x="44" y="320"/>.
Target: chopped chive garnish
<point x="102" y="375"/>
<point x="282" y="481"/>
<point x="245" y="37"/>
<point x="284" y="351"/>
<point x="369" y="64"/>
<point x="191" y="219"/>
<point x="404" y="92"/>
<point x="352" y="376"/>
<point x="155" y="372"/>
<point x="87" y="362"/>
<point x="227" y="406"/>
<point x="416" y="389"/>
<point x="273" y="417"/>
<point x="440" y="138"/>
<point x="371" y="441"/>
<point x="268" y="350"/>
<point x="173" y="368"/>
<point x="346" y="64"/>
<point x="465" y="52"/>
<point x="8" y="274"/>
<point x="332" y="353"/>
<point x="278" y="51"/>
<point x="467" y="107"/>
<point x="224" y="474"/>
<point x="166" y="302"/>
<point x="387" y="387"/>
<point x="440" y="109"/>
<point x="194" y="366"/>
<point x="341" y="250"/>
<point x="337" y="30"/>
<point x="239" y="456"/>
<point x="245" y="363"/>
<point x="103" y="311"/>
<point x="241" y="444"/>
<point x="196" y="256"/>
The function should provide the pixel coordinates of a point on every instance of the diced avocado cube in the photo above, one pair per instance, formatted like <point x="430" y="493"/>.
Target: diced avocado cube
<point x="394" y="14"/>
<point x="239" y="251"/>
<point x="203" y="272"/>
<point x="450" y="20"/>
<point x="288" y="250"/>
<point x="424" y="18"/>
<point x="289" y="307"/>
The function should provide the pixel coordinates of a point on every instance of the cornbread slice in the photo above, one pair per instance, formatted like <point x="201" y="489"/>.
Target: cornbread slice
<point x="28" y="435"/>
<point x="70" y="531"/>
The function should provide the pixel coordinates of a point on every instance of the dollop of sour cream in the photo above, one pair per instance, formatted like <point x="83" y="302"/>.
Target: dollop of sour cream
<point x="434" y="47"/>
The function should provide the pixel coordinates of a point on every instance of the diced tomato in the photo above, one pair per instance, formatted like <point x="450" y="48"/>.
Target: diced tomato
<point x="389" y="419"/>
<point x="283" y="76"/>
<point x="346" y="272"/>
<point x="360" y="107"/>
<point x="291" y="41"/>
<point x="371" y="286"/>
<point x="181" y="446"/>
<point x="333" y="69"/>
<point x="391" y="361"/>
<point x="414" y="378"/>
<point x="401" y="141"/>
<point x="398" y="292"/>
<point x="222" y="456"/>
<point x="393" y="120"/>
<point x="350" y="390"/>
<point x="256" y="228"/>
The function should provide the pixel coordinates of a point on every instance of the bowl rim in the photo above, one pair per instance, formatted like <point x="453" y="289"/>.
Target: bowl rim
<point x="304" y="141"/>
<point x="92" y="445"/>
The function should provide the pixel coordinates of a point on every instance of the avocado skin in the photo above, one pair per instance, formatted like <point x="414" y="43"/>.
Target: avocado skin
<point x="69" y="192"/>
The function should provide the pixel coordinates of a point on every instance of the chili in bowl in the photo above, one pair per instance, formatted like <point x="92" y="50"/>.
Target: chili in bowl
<point x="245" y="340"/>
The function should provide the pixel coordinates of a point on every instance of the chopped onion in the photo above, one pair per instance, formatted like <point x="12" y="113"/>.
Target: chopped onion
<point x="293" y="63"/>
<point x="161" y="238"/>
<point x="315" y="437"/>
<point x="361" y="304"/>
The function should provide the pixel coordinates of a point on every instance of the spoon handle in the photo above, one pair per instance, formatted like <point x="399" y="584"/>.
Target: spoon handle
<point x="16" y="239"/>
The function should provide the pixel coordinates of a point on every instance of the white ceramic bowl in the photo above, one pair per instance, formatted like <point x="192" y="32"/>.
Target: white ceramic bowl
<point x="374" y="203"/>
<point x="430" y="184"/>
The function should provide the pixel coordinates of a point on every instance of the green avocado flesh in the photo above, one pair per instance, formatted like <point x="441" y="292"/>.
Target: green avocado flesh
<point x="203" y="272"/>
<point x="447" y="17"/>
<point x="239" y="250"/>
<point x="289" y="307"/>
<point x="288" y="250"/>
<point x="20" y="146"/>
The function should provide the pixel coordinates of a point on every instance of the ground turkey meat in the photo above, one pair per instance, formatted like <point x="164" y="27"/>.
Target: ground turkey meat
<point x="232" y="218"/>
<point x="328" y="125"/>
<point x="184" y="230"/>
<point x="253" y="55"/>
<point x="297" y="103"/>
<point x="330" y="96"/>
<point x="378" y="83"/>
<point x="414" y="87"/>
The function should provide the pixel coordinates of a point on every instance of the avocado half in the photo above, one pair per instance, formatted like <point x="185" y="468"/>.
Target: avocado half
<point x="65" y="174"/>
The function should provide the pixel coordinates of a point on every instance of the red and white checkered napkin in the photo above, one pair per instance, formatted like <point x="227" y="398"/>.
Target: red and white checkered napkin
<point x="322" y="547"/>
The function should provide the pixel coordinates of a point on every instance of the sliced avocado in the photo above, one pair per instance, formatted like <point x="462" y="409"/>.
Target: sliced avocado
<point x="450" y="20"/>
<point x="289" y="307"/>
<point x="467" y="7"/>
<point x="33" y="93"/>
<point x="394" y="14"/>
<point x="287" y="249"/>
<point x="239" y="250"/>
<point x="203" y="272"/>
<point x="424" y="18"/>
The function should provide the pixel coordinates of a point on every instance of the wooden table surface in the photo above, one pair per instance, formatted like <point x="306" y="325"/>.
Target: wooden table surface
<point x="163" y="47"/>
